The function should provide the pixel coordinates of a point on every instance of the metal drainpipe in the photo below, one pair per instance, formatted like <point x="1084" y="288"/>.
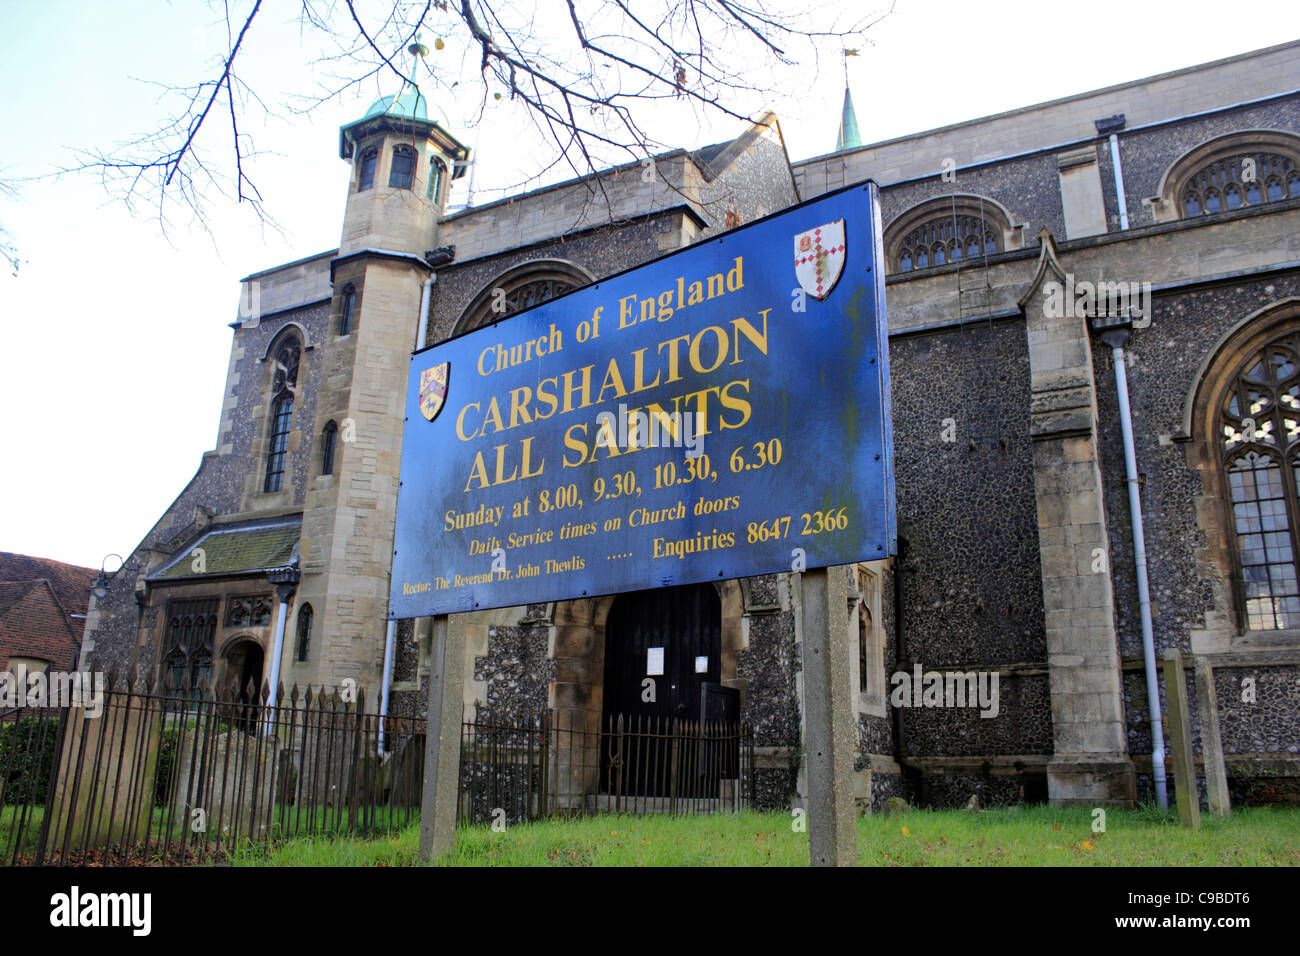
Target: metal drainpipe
<point x="390" y="636"/>
<point x="1119" y="180"/>
<point x="1117" y="339"/>
<point x="390" y="640"/>
<point x="286" y="582"/>
<point x="422" y="326"/>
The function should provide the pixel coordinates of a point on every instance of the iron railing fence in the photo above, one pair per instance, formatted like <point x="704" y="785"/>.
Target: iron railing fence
<point x="567" y="763"/>
<point x="177" y="776"/>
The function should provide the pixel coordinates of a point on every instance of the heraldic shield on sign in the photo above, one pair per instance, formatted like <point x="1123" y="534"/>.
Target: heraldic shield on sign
<point x="433" y="389"/>
<point x="819" y="258"/>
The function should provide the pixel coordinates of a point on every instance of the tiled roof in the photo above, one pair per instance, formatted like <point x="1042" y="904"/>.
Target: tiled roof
<point x="236" y="550"/>
<point x="71" y="582"/>
<point x="13" y="592"/>
<point x="34" y="624"/>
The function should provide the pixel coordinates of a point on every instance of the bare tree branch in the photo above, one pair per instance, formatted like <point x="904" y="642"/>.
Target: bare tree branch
<point x="585" y="85"/>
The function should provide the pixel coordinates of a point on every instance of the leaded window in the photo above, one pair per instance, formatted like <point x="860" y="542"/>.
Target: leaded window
<point x="945" y="239"/>
<point x="864" y="645"/>
<point x="402" y="172"/>
<point x="1237" y="181"/>
<point x="284" y="383"/>
<point x="521" y="288"/>
<point x="436" y="173"/>
<point x="328" y="441"/>
<point x="303" y="633"/>
<point x="191" y="631"/>
<point x="345" y="309"/>
<point x="366" y="171"/>
<point x="1260" y="417"/>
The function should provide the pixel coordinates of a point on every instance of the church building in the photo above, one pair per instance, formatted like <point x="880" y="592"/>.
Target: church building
<point x="1122" y="262"/>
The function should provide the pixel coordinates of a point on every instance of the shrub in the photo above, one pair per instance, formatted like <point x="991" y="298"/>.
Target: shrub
<point x="27" y="758"/>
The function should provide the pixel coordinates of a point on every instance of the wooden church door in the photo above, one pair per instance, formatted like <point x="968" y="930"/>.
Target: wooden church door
<point x="673" y="638"/>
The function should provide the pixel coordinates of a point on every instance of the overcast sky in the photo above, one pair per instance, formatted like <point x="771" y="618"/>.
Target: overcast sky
<point x="116" y="337"/>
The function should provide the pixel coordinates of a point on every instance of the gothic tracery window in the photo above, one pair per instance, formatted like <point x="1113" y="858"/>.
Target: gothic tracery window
<point x="191" y="628"/>
<point x="521" y="288"/>
<point x="1248" y="178"/>
<point x="284" y="382"/>
<point x="946" y="239"/>
<point x="945" y="230"/>
<point x="1260" y="446"/>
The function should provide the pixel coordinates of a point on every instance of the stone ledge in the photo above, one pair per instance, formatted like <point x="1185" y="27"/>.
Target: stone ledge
<point x="1092" y="780"/>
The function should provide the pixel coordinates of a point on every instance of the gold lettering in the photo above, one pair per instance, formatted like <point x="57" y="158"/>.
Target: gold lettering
<point x="460" y="423"/>
<point x="721" y="336"/>
<point x="477" y="470"/>
<point x="547" y="397"/>
<point x="575" y="444"/>
<point x="737" y="404"/>
<point x="614" y="380"/>
<point x="742" y="327"/>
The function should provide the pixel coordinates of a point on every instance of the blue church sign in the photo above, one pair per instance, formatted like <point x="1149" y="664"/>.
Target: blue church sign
<point x="719" y="412"/>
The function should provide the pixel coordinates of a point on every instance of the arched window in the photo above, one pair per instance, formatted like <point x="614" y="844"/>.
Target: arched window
<point x="328" y="440"/>
<point x="1247" y="178"/>
<point x="1250" y="167"/>
<point x="436" y="173"/>
<point x="945" y="230"/>
<point x="864" y="645"/>
<point x="345" y="309"/>
<point x="303" y="633"/>
<point x="521" y="288"/>
<point x="402" y="172"/>
<point x="1259" y="414"/>
<point x="366" y="171"/>
<point x="191" y="628"/>
<point x="284" y="383"/>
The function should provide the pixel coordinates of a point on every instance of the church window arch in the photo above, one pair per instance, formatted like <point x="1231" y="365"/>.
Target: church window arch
<point x="946" y="230"/>
<point x="284" y="384"/>
<point x="1237" y="180"/>
<point x="1258" y="443"/>
<point x="1241" y="170"/>
<point x="520" y="288"/>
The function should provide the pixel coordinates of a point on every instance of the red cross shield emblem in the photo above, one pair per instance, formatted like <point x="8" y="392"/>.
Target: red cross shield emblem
<point x="433" y="389"/>
<point x="819" y="258"/>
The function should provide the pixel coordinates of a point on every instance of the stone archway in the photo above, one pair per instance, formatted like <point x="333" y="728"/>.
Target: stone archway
<point x="245" y="661"/>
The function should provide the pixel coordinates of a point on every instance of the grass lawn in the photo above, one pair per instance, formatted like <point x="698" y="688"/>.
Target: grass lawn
<point x="1032" y="836"/>
<point x="22" y="826"/>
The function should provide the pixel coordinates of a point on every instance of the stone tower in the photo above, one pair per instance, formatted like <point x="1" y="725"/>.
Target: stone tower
<point x="402" y="163"/>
